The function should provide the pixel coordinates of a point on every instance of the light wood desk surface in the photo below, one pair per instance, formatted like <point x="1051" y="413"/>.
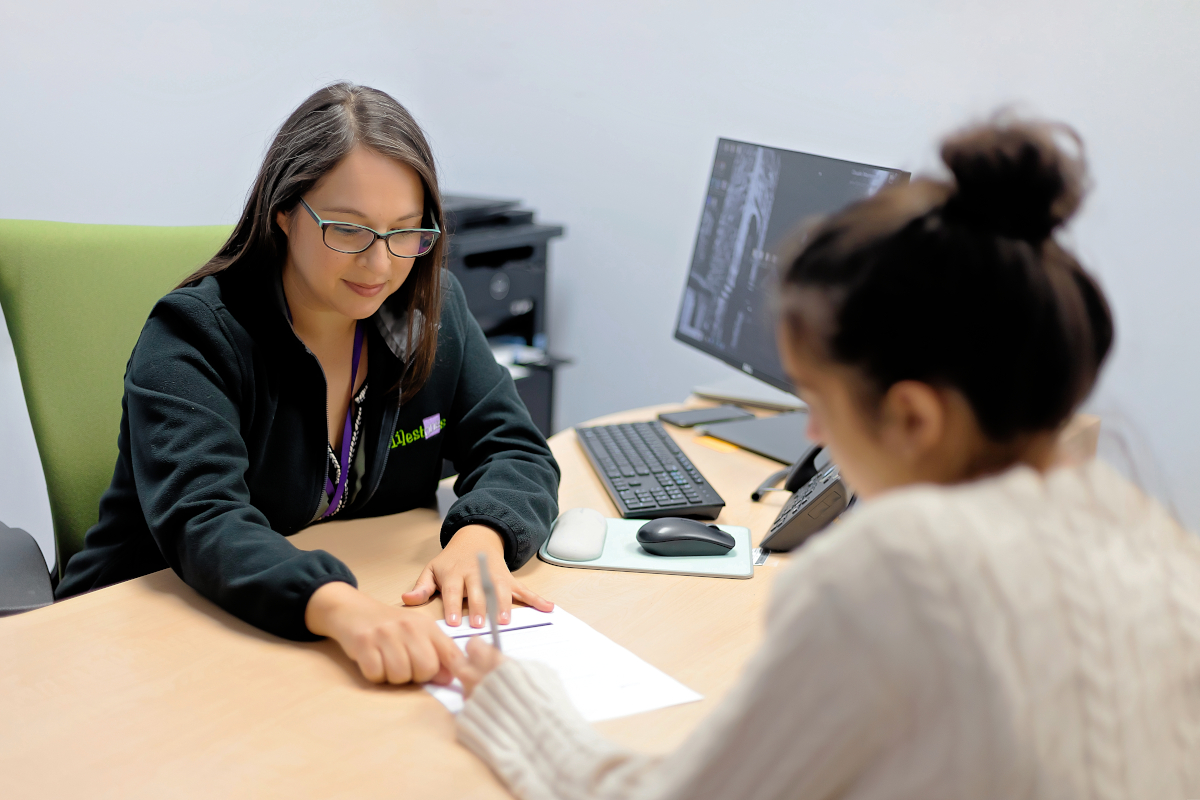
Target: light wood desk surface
<point x="145" y="689"/>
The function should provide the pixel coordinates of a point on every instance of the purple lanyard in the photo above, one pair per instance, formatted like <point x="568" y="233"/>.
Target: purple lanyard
<point x="340" y="489"/>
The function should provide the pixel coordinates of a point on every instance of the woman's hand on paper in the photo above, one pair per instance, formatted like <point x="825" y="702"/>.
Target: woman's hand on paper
<point x="481" y="659"/>
<point x="455" y="573"/>
<point x="389" y="644"/>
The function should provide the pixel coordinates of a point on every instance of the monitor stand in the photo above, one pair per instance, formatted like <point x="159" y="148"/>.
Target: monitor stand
<point x="780" y="437"/>
<point x="746" y="391"/>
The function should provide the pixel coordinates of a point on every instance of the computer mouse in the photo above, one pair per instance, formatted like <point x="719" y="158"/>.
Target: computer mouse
<point x="578" y="535"/>
<point x="676" y="536"/>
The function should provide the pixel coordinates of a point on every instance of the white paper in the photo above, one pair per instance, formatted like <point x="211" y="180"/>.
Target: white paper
<point x="603" y="679"/>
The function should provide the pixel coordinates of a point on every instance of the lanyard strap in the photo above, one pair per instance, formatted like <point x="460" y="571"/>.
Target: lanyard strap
<point x="340" y="489"/>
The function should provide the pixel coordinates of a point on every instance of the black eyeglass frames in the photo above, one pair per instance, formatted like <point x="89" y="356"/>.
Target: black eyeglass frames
<point x="347" y="237"/>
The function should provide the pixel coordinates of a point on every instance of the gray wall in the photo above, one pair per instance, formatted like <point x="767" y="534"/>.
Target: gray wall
<point x="604" y="117"/>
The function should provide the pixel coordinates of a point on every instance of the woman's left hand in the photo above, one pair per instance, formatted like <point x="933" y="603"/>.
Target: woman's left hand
<point x="481" y="659"/>
<point x="455" y="573"/>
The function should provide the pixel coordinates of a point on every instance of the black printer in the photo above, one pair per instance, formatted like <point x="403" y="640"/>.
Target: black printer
<point x="499" y="254"/>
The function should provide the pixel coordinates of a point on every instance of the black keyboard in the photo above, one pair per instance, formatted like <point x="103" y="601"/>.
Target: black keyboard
<point x="646" y="474"/>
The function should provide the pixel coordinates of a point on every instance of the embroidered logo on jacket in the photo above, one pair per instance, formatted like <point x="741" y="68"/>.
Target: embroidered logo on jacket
<point x="430" y="427"/>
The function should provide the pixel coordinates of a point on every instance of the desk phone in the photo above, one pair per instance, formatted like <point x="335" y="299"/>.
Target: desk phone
<point x="818" y="496"/>
<point x="808" y="510"/>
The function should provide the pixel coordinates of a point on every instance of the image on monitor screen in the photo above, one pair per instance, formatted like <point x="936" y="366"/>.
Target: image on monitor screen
<point x="756" y="197"/>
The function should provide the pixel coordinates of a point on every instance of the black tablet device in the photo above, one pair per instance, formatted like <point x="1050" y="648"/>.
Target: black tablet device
<point x="703" y="416"/>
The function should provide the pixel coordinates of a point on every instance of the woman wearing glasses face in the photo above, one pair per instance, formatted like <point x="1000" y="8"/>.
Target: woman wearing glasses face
<point x="321" y="366"/>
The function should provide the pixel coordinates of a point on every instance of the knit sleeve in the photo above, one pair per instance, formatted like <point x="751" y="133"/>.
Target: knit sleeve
<point x="808" y="715"/>
<point x="522" y="724"/>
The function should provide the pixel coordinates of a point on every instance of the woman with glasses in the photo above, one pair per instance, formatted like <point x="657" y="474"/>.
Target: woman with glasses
<point x="321" y="366"/>
<point x="987" y="623"/>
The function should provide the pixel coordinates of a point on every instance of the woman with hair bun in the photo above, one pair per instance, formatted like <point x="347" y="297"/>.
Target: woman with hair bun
<point x="987" y="624"/>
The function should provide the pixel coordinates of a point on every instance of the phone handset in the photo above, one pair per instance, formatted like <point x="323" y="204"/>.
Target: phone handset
<point x="818" y="496"/>
<point x="793" y="477"/>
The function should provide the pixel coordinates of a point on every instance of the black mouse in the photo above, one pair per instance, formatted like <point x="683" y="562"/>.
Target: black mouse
<point x="676" y="536"/>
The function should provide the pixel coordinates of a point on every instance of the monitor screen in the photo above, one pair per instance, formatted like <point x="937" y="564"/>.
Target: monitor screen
<point x="756" y="197"/>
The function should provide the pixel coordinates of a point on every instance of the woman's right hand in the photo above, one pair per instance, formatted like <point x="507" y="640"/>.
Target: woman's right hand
<point x="389" y="644"/>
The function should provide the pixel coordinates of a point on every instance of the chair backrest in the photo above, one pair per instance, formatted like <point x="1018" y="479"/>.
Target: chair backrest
<point x="75" y="298"/>
<point x="24" y="582"/>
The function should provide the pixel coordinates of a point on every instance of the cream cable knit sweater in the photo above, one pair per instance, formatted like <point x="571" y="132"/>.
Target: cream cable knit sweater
<point x="1024" y="636"/>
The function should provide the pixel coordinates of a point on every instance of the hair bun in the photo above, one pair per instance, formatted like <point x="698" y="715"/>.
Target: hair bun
<point x="1014" y="179"/>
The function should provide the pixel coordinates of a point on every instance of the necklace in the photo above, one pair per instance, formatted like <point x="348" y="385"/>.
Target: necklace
<point x="340" y="489"/>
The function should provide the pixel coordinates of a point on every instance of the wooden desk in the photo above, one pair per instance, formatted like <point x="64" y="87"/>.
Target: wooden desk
<point x="145" y="689"/>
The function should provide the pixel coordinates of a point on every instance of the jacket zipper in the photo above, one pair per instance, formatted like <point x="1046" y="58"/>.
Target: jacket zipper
<point x="384" y="430"/>
<point x="385" y="435"/>
<point x="324" y="438"/>
<point x="360" y="500"/>
<point x="324" y="453"/>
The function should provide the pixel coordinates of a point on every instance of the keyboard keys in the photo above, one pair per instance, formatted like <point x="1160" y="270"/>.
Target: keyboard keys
<point x="646" y="470"/>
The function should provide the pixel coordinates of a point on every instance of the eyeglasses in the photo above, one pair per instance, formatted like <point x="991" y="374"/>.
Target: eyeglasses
<point x="346" y="237"/>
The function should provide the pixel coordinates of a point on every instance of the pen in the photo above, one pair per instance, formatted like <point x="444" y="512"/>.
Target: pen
<point x="489" y="596"/>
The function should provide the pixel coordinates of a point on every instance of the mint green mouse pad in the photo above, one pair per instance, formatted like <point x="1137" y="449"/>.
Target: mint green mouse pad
<point x="622" y="553"/>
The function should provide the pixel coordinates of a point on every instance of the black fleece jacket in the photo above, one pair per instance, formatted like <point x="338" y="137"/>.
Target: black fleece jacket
<point x="222" y="449"/>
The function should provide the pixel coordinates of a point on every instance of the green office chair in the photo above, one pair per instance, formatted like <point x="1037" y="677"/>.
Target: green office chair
<point x="75" y="298"/>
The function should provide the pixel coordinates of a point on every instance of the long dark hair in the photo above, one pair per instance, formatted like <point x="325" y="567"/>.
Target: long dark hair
<point x="313" y="140"/>
<point x="962" y="284"/>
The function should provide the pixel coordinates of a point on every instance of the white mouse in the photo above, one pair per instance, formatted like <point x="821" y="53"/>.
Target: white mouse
<point x="577" y="535"/>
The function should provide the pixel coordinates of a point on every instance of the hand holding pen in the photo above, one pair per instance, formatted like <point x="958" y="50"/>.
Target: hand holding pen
<point x="481" y="658"/>
<point x="489" y="596"/>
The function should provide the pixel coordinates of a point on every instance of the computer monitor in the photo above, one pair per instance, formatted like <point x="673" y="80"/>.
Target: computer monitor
<point x="757" y="196"/>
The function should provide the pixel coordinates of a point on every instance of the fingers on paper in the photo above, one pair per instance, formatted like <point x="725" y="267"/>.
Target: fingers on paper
<point x="452" y="599"/>
<point x="449" y="657"/>
<point x="481" y="659"/>
<point x="404" y="649"/>
<point x="482" y="656"/>
<point x="476" y="600"/>
<point x="530" y="598"/>
<point x="505" y="592"/>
